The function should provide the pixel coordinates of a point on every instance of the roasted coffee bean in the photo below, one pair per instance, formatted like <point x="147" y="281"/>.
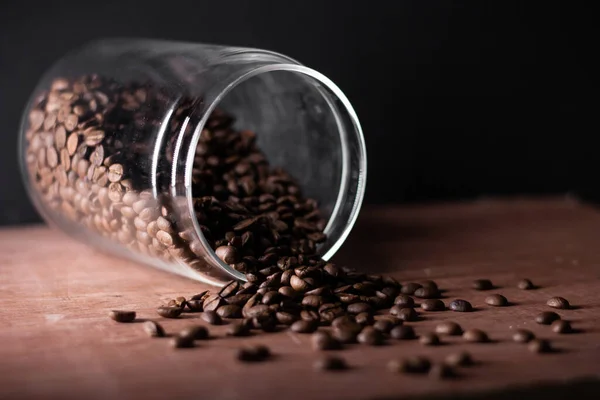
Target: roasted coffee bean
<point x="304" y="326"/>
<point x="238" y="299"/>
<point x="410" y="365"/>
<point x="346" y="333"/>
<point x="253" y="353"/>
<point x="433" y="305"/>
<point x="427" y="292"/>
<point x="475" y="336"/>
<point x="285" y="318"/>
<point x="561" y="326"/>
<point x="322" y="340"/>
<point x="153" y="329"/>
<point x="211" y="317"/>
<point x="230" y="311"/>
<point x="460" y="305"/>
<point x="558" y="302"/>
<point x="257" y="311"/>
<point x="364" y="318"/>
<point x="496" y="300"/>
<point x="195" y="305"/>
<point x="212" y="302"/>
<point x="237" y="329"/>
<point x="330" y="363"/>
<point x="539" y="346"/>
<point x="312" y="301"/>
<point x="370" y="336"/>
<point x="357" y="308"/>
<point x="482" y="284"/>
<point x="299" y="285"/>
<point x="385" y="325"/>
<point x="229" y="289"/>
<point x="404" y="301"/>
<point x="460" y="359"/>
<point x="525" y="284"/>
<point x="546" y="317"/>
<point x="523" y="336"/>
<point x="344" y="319"/>
<point x="266" y="323"/>
<point x="181" y="342"/>
<point x="195" y="333"/>
<point x="122" y="316"/>
<point x="429" y="339"/>
<point x="410" y="288"/>
<point x="448" y="328"/>
<point x="405" y="314"/>
<point x="309" y="315"/>
<point x="288" y="291"/>
<point x="169" y="312"/>
<point x="271" y="297"/>
<point x="227" y="254"/>
<point x="441" y="371"/>
<point x="200" y="296"/>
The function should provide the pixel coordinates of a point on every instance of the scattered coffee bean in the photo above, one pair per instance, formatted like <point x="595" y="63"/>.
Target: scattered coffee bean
<point x="546" y="317"/>
<point x="460" y="359"/>
<point x="195" y="305"/>
<point x="364" y="318"/>
<point x="433" y="305"/>
<point x="169" y="312"/>
<point x="441" y="371"/>
<point x="523" y="336"/>
<point x="153" y="329"/>
<point x="253" y="353"/>
<point x="230" y="311"/>
<point x="330" y="363"/>
<point x="482" y="284"/>
<point x="410" y="365"/>
<point x="496" y="300"/>
<point x="211" y="317"/>
<point x="285" y="318"/>
<point x="475" y="336"/>
<point x="429" y="339"/>
<point x="402" y="332"/>
<point x="322" y="340"/>
<point x="525" y="284"/>
<point x="427" y="292"/>
<point x="561" y="326"/>
<point x="539" y="346"/>
<point x="346" y="333"/>
<point x="404" y="301"/>
<point x="122" y="316"/>
<point x="357" y="308"/>
<point x="430" y="284"/>
<point x="405" y="314"/>
<point x="266" y="323"/>
<point x="238" y="329"/>
<point x="182" y="342"/>
<point x="304" y="326"/>
<point x="410" y="288"/>
<point x="558" y="302"/>
<point x="460" y="305"/>
<point x="370" y="336"/>
<point x="385" y="325"/>
<point x="212" y="302"/>
<point x="448" y="328"/>
<point x="195" y="332"/>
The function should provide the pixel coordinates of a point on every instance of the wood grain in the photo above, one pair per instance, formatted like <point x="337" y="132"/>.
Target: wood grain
<point x="56" y="341"/>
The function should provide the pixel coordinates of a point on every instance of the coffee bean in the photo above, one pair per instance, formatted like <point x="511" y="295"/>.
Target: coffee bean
<point x="322" y="340"/>
<point x="181" y="342"/>
<point x="169" y="312"/>
<point x="410" y="288"/>
<point x="230" y="311"/>
<point x="195" y="333"/>
<point x="561" y="326"/>
<point x="546" y="317"/>
<point x="525" y="284"/>
<point x="253" y="353"/>
<point x="460" y="359"/>
<point x="448" y="328"/>
<point x="410" y="365"/>
<point x="195" y="305"/>
<point x="357" y="308"/>
<point x="287" y="291"/>
<point x="429" y="339"/>
<point x="122" y="316"/>
<point x="304" y="326"/>
<point x="312" y="301"/>
<point x="405" y="314"/>
<point x="523" y="336"/>
<point x="370" y="336"/>
<point x="212" y="302"/>
<point x="346" y="333"/>
<point x="404" y="301"/>
<point x="475" y="336"/>
<point x="285" y="318"/>
<point x="402" y="332"/>
<point x="330" y="363"/>
<point x="539" y="346"/>
<point x="229" y="289"/>
<point x="211" y="317"/>
<point x="558" y="302"/>
<point x="384" y="325"/>
<point x="153" y="329"/>
<point x="496" y="300"/>
<point x="309" y="315"/>
<point x="482" y="284"/>
<point x="342" y="320"/>
<point x="441" y="371"/>
<point x="364" y="318"/>
<point x="433" y="305"/>
<point x="460" y="305"/>
<point x="237" y="329"/>
<point x="227" y="254"/>
<point x="298" y="284"/>
<point x="271" y="297"/>
<point x="427" y="292"/>
<point x="431" y="285"/>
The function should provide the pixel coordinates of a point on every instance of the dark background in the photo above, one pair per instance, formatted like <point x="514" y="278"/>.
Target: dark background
<point x="457" y="99"/>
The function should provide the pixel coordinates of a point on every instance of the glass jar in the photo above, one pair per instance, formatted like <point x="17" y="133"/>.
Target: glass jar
<point x="111" y="140"/>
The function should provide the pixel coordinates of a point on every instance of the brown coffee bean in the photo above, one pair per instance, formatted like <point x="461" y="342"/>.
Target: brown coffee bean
<point x="227" y="254"/>
<point x="402" y="332"/>
<point x="364" y="318"/>
<point x="523" y="336"/>
<point x="482" y="284"/>
<point x="405" y="314"/>
<point x="229" y="289"/>
<point x="448" y="328"/>
<point x="410" y="365"/>
<point x="180" y="342"/>
<point x="230" y="311"/>
<point x="357" y="308"/>
<point x="309" y="315"/>
<point x="238" y="329"/>
<point x="212" y="302"/>
<point x="460" y="359"/>
<point x="195" y="305"/>
<point x="558" y="302"/>
<point x="330" y="363"/>
<point x="496" y="300"/>
<point x="346" y="333"/>
<point x="285" y="318"/>
<point x="404" y="301"/>
<point x="460" y="305"/>
<point x="370" y="336"/>
<point x="169" y="312"/>
<point x="312" y="301"/>
<point x="427" y="292"/>
<point x="546" y="317"/>
<point x="299" y="285"/>
<point x="441" y="371"/>
<point x="322" y="340"/>
<point x="253" y="353"/>
<point x="122" y="316"/>
<point x="475" y="336"/>
<point x="153" y="329"/>
<point x="304" y="326"/>
<point x="287" y="291"/>
<point x="384" y="325"/>
<point x="211" y="317"/>
<point x="525" y="284"/>
<point x="433" y="305"/>
<point x="342" y="320"/>
<point x="539" y="346"/>
<point x="429" y="339"/>
<point x="266" y="323"/>
<point x="561" y="326"/>
<point x="195" y="333"/>
<point x="271" y="297"/>
<point x="257" y="311"/>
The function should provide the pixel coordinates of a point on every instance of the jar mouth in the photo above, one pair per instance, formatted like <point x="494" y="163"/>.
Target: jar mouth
<point x="352" y="149"/>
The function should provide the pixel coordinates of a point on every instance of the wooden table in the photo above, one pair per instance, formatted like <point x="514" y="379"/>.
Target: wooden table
<point x="56" y="341"/>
